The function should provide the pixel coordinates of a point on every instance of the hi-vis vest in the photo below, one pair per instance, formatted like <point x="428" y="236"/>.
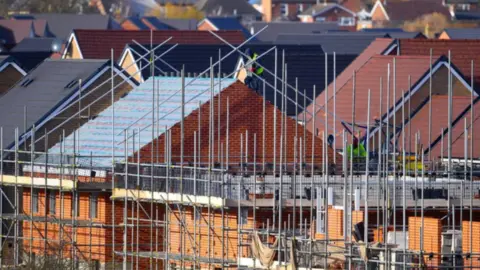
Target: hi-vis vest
<point x="259" y="70"/>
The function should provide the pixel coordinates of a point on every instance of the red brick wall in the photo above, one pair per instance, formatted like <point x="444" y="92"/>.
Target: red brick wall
<point x="246" y="114"/>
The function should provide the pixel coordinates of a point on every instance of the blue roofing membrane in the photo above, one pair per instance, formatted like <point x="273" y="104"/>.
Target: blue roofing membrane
<point x="133" y="115"/>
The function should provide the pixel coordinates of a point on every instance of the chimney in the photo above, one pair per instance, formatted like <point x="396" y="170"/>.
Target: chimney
<point x="267" y="10"/>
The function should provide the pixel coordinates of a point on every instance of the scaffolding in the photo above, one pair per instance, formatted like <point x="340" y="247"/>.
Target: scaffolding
<point x="179" y="208"/>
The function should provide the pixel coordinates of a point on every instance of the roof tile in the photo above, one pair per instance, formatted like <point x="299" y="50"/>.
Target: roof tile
<point x="97" y="44"/>
<point x="463" y="52"/>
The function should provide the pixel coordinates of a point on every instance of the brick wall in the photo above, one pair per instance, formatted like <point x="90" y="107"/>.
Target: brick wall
<point x="200" y="232"/>
<point x="474" y="235"/>
<point x="246" y="114"/>
<point x="46" y="236"/>
<point x="432" y="238"/>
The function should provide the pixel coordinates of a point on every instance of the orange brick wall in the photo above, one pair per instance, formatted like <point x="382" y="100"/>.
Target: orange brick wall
<point x="432" y="237"/>
<point x="100" y="235"/>
<point x="231" y="233"/>
<point x="474" y="235"/>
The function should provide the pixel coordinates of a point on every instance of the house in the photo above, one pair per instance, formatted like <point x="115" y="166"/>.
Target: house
<point x="340" y="42"/>
<point x="195" y="59"/>
<point x="180" y="24"/>
<point x="305" y="63"/>
<point x="462" y="5"/>
<point x="274" y="29"/>
<point x="98" y="44"/>
<point x="14" y="31"/>
<point x="48" y="96"/>
<point x="134" y="23"/>
<point x="222" y="23"/>
<point x="331" y="12"/>
<point x="274" y="10"/>
<point x="463" y="52"/>
<point x="393" y="12"/>
<point x="61" y="25"/>
<point x="245" y="109"/>
<point x="243" y="10"/>
<point x="43" y="44"/>
<point x="10" y="72"/>
<point x="460" y="33"/>
<point x="378" y="46"/>
<point x="438" y="148"/>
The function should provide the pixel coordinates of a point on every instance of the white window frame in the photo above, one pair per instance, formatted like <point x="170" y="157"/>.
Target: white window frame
<point x="346" y="21"/>
<point x="284" y="9"/>
<point x="320" y="19"/>
<point x="300" y="8"/>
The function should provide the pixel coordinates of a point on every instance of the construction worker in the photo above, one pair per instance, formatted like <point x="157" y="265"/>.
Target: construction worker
<point x="358" y="149"/>
<point x="255" y="72"/>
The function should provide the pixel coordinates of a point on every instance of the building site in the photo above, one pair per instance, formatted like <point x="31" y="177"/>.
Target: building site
<point x="145" y="151"/>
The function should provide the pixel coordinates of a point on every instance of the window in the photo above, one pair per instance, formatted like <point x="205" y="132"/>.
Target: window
<point x="93" y="205"/>
<point x="299" y="8"/>
<point x="76" y="205"/>
<point x="464" y="6"/>
<point x="320" y="19"/>
<point x="284" y="9"/>
<point x="51" y="202"/>
<point x="347" y="21"/>
<point x="243" y="218"/>
<point x="35" y="201"/>
<point x="198" y="214"/>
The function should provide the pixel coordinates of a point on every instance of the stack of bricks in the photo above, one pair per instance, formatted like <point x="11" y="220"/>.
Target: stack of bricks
<point x="336" y="223"/>
<point x="432" y="238"/>
<point x="474" y="236"/>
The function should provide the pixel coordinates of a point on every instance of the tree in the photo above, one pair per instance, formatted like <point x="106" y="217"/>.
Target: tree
<point x="428" y="24"/>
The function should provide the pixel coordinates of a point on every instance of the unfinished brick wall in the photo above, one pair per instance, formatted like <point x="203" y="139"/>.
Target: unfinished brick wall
<point x="46" y="236"/>
<point x="336" y="223"/>
<point x="246" y="114"/>
<point x="432" y="238"/>
<point x="215" y="246"/>
<point x="474" y="236"/>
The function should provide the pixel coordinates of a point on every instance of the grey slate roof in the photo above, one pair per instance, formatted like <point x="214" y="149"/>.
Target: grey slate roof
<point x="341" y="43"/>
<point x="46" y="92"/>
<point x="227" y="8"/>
<point x="61" y="25"/>
<point x="28" y="60"/>
<point x="463" y="33"/>
<point x="180" y="24"/>
<point x="34" y="45"/>
<point x="276" y="28"/>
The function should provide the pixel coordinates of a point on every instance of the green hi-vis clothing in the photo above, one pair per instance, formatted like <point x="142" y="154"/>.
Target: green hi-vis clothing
<point x="258" y="70"/>
<point x="359" y="151"/>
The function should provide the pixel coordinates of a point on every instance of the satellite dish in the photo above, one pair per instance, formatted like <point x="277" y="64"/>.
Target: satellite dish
<point x="56" y="45"/>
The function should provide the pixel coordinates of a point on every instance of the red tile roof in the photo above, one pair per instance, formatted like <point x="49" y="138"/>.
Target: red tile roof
<point x="375" y="48"/>
<point x="401" y="10"/>
<point x="368" y="77"/>
<point x="97" y="44"/>
<point x="462" y="51"/>
<point x="458" y="135"/>
<point x="246" y="115"/>
<point x="419" y="123"/>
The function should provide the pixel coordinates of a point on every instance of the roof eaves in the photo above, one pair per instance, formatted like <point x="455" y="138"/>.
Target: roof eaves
<point x="441" y="61"/>
<point x="445" y="131"/>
